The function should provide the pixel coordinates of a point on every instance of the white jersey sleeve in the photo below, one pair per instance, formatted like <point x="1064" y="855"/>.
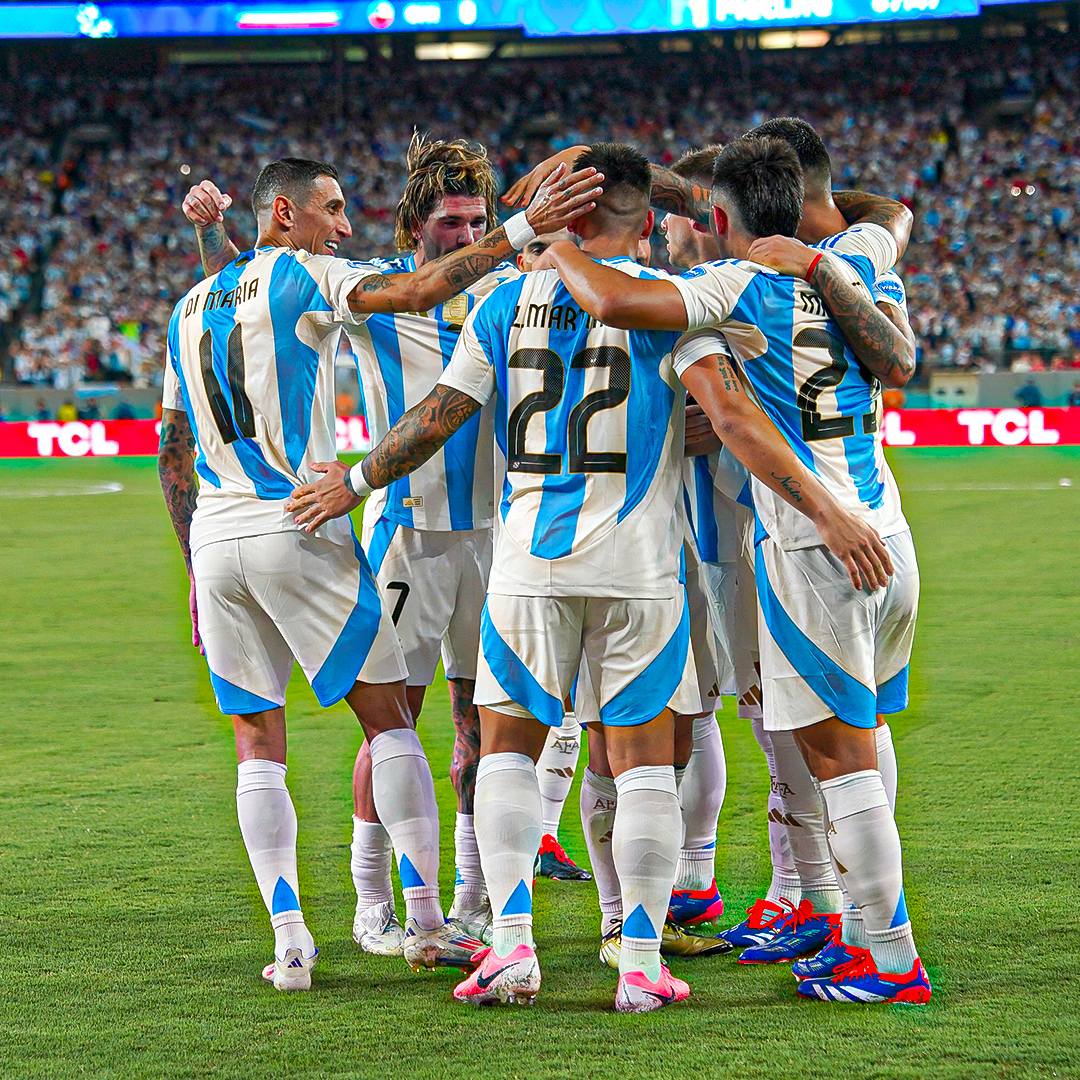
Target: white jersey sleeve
<point x="171" y="396"/>
<point x="873" y="242"/>
<point x="888" y="288"/>
<point x="470" y="369"/>
<point x="711" y="290"/>
<point x="695" y="346"/>
<point x="336" y="278"/>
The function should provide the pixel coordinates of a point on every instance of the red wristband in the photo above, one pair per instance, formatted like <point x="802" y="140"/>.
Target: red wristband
<point x="813" y="265"/>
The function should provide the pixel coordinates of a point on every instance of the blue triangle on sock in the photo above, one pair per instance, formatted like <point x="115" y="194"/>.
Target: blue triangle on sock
<point x="638" y="925"/>
<point x="410" y="879"/>
<point x="900" y="916"/>
<point x="284" y="898"/>
<point x="520" y="902"/>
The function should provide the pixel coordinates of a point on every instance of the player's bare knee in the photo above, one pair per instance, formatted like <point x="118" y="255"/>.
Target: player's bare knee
<point x="260" y="735"/>
<point x="501" y="733"/>
<point x="651" y="743"/>
<point x="834" y="748"/>
<point x="380" y="707"/>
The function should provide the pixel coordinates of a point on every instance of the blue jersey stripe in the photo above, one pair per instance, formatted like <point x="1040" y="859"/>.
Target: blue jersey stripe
<point x="267" y="481"/>
<point x="293" y="291"/>
<point x="202" y="467"/>
<point x="459" y="452"/>
<point x="705" y="531"/>
<point x="384" y="337"/>
<point x="518" y="683"/>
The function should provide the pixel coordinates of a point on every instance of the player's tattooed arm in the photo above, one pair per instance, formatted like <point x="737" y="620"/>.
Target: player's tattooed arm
<point x="466" y="753"/>
<point x="677" y="195"/>
<point x="176" y="471"/>
<point x="862" y="207"/>
<point x="204" y="206"/>
<point x="418" y="435"/>
<point x="404" y="448"/>
<point x="752" y="437"/>
<point x="880" y="345"/>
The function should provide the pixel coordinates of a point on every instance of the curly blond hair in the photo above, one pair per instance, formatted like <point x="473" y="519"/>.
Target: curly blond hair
<point x="439" y="167"/>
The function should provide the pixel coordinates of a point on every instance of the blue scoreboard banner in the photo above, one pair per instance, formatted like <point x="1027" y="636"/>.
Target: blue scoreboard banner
<point x="535" y="17"/>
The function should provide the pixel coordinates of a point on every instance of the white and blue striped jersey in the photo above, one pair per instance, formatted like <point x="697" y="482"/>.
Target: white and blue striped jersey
<point x="712" y="486"/>
<point x="400" y="358"/>
<point x="805" y="377"/>
<point x="589" y="427"/>
<point x="250" y="359"/>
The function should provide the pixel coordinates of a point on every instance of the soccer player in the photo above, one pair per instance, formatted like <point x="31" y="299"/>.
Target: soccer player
<point x="247" y="407"/>
<point x="586" y="572"/>
<point x="428" y="538"/>
<point x="832" y="657"/>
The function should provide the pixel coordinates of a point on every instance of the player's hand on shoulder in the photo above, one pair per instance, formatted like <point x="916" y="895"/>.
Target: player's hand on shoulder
<point x="859" y="547"/>
<point x="205" y="204"/>
<point x="784" y="254"/>
<point x="523" y="189"/>
<point x="314" y="504"/>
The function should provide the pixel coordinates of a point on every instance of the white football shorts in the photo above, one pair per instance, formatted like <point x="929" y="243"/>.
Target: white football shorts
<point x="266" y="600"/>
<point x="637" y="654"/>
<point x="433" y="584"/>
<point x="719" y="580"/>
<point x="746" y="654"/>
<point x="704" y="639"/>
<point x="827" y="650"/>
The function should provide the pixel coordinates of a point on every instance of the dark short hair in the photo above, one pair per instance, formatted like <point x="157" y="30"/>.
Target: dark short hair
<point x="292" y="177"/>
<point x="804" y="140"/>
<point x="697" y="165"/>
<point x="627" y="180"/>
<point x="763" y="181"/>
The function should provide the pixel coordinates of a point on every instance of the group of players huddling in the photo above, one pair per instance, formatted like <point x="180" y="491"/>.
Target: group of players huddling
<point x="606" y="495"/>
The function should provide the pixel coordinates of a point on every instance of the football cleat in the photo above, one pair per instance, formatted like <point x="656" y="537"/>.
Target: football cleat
<point x="823" y="965"/>
<point x="376" y="929"/>
<point x="860" y="981"/>
<point x="474" y="922"/>
<point x="553" y="862"/>
<point x="445" y="946"/>
<point x="691" y="907"/>
<point x="761" y="918"/>
<point x="675" y="941"/>
<point x="637" y="993"/>
<point x="611" y="945"/>
<point x="502" y="980"/>
<point x="292" y="971"/>
<point x="799" y="933"/>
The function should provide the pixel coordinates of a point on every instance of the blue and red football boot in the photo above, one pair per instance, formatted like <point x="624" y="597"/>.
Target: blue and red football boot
<point x="761" y="918"/>
<point x="823" y="965"/>
<point x="860" y="982"/>
<point x="692" y="907"/>
<point x="800" y="932"/>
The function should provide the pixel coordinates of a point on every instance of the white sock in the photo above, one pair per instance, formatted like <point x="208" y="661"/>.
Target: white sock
<point x="701" y="796"/>
<point x="555" y="770"/>
<point x="507" y="820"/>
<point x="645" y="848"/>
<point x="804" y="812"/>
<point x="405" y="799"/>
<point x="866" y="846"/>
<point x="886" y="762"/>
<point x="785" y="883"/>
<point x="268" y="825"/>
<point x="372" y="854"/>
<point x="469" y="889"/>
<point x="599" y="798"/>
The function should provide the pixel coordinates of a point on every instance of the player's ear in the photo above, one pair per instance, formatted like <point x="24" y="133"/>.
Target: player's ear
<point x="720" y="221"/>
<point x="574" y="228"/>
<point x="650" y="222"/>
<point x="282" y="210"/>
<point x="698" y="227"/>
<point x="520" y="262"/>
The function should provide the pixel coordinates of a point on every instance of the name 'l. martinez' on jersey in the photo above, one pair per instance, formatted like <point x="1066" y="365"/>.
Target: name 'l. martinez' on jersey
<point x="400" y="358"/>
<point x="589" y="425"/>
<point x="805" y="377"/>
<point x="250" y="359"/>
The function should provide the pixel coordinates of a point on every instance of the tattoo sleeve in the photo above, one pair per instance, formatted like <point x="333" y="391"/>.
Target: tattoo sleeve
<point x="418" y="435"/>
<point x="863" y="207"/>
<point x="677" y="195"/>
<point x="215" y="248"/>
<point x="881" y="346"/>
<point x="176" y="471"/>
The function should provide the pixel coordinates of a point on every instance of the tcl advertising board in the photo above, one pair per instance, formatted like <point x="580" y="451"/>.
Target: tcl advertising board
<point x="905" y="427"/>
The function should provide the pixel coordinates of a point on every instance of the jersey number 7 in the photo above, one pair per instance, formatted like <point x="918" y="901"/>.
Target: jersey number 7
<point x="580" y="459"/>
<point x="240" y="407"/>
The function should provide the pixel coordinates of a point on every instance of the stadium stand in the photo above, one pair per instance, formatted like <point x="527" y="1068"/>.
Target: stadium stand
<point x="979" y="142"/>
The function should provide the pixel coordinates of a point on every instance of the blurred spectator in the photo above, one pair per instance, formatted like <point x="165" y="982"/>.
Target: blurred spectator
<point x="1073" y="400"/>
<point x="1029" y="395"/>
<point x="67" y="412"/>
<point x="123" y="411"/>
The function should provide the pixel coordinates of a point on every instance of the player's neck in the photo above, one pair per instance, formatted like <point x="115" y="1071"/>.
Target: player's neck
<point x="820" y="218"/>
<point x="610" y="247"/>
<point x="271" y="237"/>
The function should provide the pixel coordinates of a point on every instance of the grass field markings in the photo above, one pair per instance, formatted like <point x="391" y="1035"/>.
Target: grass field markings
<point x="111" y="488"/>
<point x="938" y="489"/>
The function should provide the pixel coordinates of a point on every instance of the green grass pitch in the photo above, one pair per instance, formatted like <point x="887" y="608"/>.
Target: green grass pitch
<point x="132" y="932"/>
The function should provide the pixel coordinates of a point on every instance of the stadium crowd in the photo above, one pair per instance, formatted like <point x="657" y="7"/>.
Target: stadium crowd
<point x="978" y="142"/>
